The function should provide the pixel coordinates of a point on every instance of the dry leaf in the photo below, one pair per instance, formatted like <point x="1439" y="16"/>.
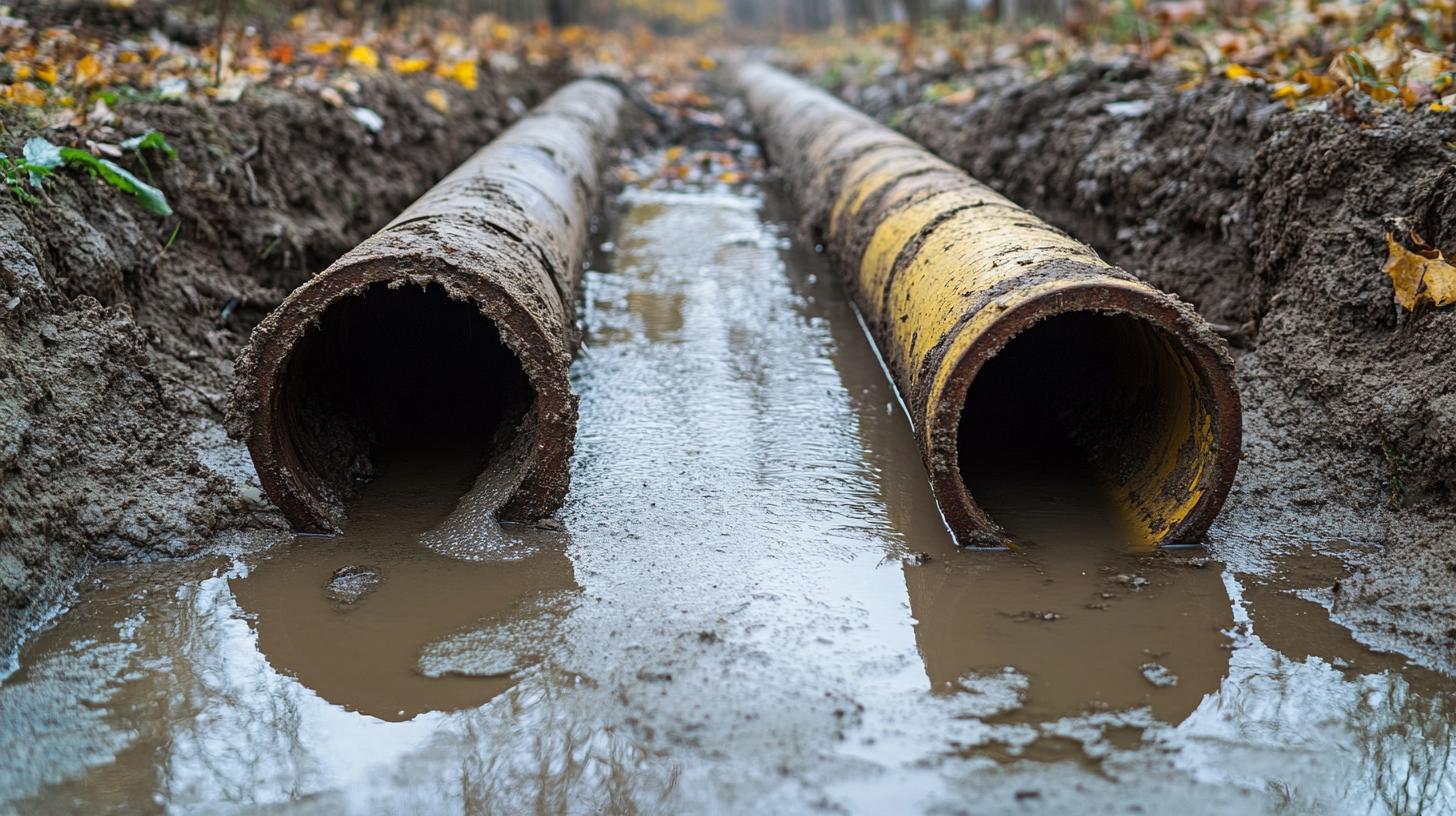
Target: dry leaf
<point x="1419" y="278"/>
<point x="87" y="69"/>
<point x="362" y="56"/>
<point x="436" y="99"/>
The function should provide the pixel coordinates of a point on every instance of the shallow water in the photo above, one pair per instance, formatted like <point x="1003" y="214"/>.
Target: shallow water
<point x="754" y="606"/>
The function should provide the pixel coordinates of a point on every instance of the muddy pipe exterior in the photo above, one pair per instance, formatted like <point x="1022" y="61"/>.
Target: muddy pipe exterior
<point x="949" y="276"/>
<point x="505" y="233"/>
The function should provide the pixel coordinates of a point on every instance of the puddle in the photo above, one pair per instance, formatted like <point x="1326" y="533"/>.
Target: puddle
<point x="754" y="607"/>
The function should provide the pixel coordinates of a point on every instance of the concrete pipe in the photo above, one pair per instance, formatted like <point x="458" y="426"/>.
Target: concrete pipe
<point x="1012" y="344"/>
<point x="450" y="328"/>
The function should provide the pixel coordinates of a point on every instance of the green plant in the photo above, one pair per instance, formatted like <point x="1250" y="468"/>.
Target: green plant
<point x="30" y="171"/>
<point x="42" y="158"/>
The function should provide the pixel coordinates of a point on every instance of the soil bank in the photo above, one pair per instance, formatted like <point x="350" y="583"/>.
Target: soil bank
<point x="118" y="328"/>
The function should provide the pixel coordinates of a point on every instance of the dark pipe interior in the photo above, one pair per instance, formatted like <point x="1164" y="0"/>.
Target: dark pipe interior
<point x="400" y="378"/>
<point x="1072" y="408"/>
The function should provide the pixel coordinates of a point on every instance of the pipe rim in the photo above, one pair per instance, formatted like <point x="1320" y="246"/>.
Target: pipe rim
<point x="968" y="522"/>
<point x="552" y="418"/>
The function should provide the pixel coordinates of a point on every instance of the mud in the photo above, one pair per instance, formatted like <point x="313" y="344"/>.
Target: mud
<point x="1272" y="223"/>
<point x="115" y="355"/>
<point x="753" y="606"/>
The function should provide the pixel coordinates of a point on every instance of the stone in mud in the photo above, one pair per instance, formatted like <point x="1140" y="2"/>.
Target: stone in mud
<point x="1158" y="675"/>
<point x="500" y="645"/>
<point x="350" y="583"/>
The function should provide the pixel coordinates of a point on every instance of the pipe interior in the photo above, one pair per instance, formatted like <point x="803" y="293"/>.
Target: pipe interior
<point x="400" y="380"/>
<point x="1097" y="419"/>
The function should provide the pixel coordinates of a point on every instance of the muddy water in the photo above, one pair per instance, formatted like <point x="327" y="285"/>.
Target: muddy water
<point x="754" y="607"/>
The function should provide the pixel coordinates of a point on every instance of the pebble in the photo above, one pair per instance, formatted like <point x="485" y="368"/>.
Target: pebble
<point x="350" y="583"/>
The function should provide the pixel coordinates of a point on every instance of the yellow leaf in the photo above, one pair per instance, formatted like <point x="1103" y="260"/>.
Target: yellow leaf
<point x="707" y="63"/>
<point x="464" y="73"/>
<point x="1438" y="107"/>
<point x="121" y="4"/>
<point x="362" y="56"/>
<point x="46" y="73"/>
<point x="1236" y="71"/>
<point x="22" y="72"/>
<point x="437" y="99"/>
<point x="1441" y="282"/>
<point x="87" y="69"/>
<point x="320" y="48"/>
<point x="24" y="93"/>
<point x="673" y="154"/>
<point x="1405" y="269"/>
<point x="408" y="66"/>
<point x="1418" y="278"/>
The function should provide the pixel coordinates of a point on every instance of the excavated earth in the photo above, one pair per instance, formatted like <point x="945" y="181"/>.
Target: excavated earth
<point x="1272" y="222"/>
<point x="118" y="328"/>
<point x="749" y="602"/>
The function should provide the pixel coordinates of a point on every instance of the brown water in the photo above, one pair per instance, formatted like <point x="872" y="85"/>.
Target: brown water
<point x="754" y="607"/>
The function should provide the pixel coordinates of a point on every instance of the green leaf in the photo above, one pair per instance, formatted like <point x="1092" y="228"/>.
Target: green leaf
<point x="151" y="140"/>
<point x="38" y="173"/>
<point x="41" y="153"/>
<point x="152" y="199"/>
<point x="77" y="156"/>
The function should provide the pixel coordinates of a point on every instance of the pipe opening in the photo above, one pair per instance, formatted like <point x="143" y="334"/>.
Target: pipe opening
<point x="1100" y="420"/>
<point x="399" y="380"/>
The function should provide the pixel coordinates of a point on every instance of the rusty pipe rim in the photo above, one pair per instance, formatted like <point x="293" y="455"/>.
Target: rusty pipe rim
<point x="968" y="521"/>
<point x="551" y="420"/>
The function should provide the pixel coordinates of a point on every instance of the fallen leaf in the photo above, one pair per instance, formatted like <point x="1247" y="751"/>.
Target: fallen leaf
<point x="362" y="56"/>
<point x="87" y="69"/>
<point x="408" y="66"/>
<point x="1237" y="72"/>
<point x="436" y="99"/>
<point x="464" y="73"/>
<point x="1418" y="278"/>
<point x="24" y="93"/>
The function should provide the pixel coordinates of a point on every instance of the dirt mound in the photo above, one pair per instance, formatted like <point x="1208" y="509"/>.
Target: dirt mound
<point x="1272" y="222"/>
<point x="117" y="334"/>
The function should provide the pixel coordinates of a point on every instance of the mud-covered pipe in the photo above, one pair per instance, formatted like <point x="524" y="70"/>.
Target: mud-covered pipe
<point x="1008" y="340"/>
<point x="455" y="324"/>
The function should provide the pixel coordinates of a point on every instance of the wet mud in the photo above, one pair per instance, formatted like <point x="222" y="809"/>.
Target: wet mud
<point x="753" y="606"/>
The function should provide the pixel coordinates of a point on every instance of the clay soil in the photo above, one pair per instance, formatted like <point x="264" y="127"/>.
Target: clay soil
<point x="1272" y="223"/>
<point x="118" y="328"/>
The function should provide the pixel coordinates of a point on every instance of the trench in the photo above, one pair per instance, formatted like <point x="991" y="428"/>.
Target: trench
<point x="750" y="602"/>
<point x="400" y="377"/>
<point x="1075" y="408"/>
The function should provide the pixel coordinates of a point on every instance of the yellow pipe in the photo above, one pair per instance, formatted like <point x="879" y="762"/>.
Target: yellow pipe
<point x="949" y="275"/>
